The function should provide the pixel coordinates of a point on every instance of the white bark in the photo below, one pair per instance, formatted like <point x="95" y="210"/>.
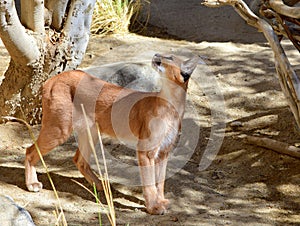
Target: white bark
<point x="38" y="53"/>
<point x="76" y="30"/>
<point x="14" y="36"/>
<point x="32" y="15"/>
<point x="57" y="9"/>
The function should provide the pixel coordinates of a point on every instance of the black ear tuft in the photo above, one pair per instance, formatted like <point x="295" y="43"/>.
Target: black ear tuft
<point x="185" y="76"/>
<point x="187" y="67"/>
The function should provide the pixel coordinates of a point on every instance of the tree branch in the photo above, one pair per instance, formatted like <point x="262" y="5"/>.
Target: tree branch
<point x="291" y="2"/>
<point x="279" y="147"/>
<point x="58" y="10"/>
<point x="281" y="8"/>
<point x="240" y="7"/>
<point x="289" y="81"/>
<point x="77" y="29"/>
<point x="32" y="15"/>
<point x="79" y="18"/>
<point x="14" y="35"/>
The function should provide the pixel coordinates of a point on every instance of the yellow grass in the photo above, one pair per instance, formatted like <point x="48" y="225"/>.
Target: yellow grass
<point x="58" y="213"/>
<point x="110" y="212"/>
<point x="113" y="16"/>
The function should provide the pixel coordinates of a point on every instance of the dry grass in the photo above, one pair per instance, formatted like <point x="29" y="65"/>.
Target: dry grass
<point x="58" y="213"/>
<point x="113" y="16"/>
<point x="110" y="211"/>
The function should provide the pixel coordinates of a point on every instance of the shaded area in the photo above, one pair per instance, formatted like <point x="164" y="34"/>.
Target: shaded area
<point x="192" y="21"/>
<point x="244" y="185"/>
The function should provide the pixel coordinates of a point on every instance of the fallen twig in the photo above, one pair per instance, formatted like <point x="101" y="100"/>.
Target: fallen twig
<point x="274" y="145"/>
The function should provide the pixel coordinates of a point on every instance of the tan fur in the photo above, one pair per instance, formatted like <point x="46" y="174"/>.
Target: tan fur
<point x="154" y="120"/>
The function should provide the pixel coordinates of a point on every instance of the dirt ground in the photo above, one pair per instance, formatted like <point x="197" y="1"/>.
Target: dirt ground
<point x="244" y="184"/>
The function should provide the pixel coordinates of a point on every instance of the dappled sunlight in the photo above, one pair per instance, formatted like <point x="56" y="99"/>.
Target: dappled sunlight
<point x="245" y="184"/>
<point x="292" y="190"/>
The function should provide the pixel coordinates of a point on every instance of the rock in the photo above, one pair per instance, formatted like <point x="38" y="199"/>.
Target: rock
<point x="236" y="124"/>
<point x="138" y="76"/>
<point x="12" y="214"/>
<point x="200" y="180"/>
<point x="217" y="175"/>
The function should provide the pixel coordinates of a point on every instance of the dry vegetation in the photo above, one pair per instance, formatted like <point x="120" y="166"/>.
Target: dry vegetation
<point x="112" y="17"/>
<point x="245" y="184"/>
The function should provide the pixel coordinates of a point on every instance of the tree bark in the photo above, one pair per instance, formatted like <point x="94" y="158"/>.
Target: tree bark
<point x="48" y="38"/>
<point x="280" y="7"/>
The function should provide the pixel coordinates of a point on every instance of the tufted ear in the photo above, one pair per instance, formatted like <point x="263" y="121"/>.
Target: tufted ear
<point x="187" y="67"/>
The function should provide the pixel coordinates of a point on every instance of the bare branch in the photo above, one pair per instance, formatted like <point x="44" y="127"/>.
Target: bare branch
<point x="58" y="10"/>
<point x="281" y="8"/>
<point x="240" y="7"/>
<point x="32" y="15"/>
<point x="14" y="35"/>
<point x="289" y="81"/>
<point x="77" y="29"/>
<point x="79" y="19"/>
<point x="280" y="147"/>
<point x="283" y="25"/>
<point x="291" y="2"/>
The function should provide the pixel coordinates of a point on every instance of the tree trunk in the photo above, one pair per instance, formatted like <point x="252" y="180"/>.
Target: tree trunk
<point x="50" y="37"/>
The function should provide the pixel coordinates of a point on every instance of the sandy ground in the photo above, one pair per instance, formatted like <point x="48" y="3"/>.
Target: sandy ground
<point x="236" y="88"/>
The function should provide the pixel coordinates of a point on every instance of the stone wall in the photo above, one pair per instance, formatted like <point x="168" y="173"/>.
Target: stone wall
<point x="192" y="21"/>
